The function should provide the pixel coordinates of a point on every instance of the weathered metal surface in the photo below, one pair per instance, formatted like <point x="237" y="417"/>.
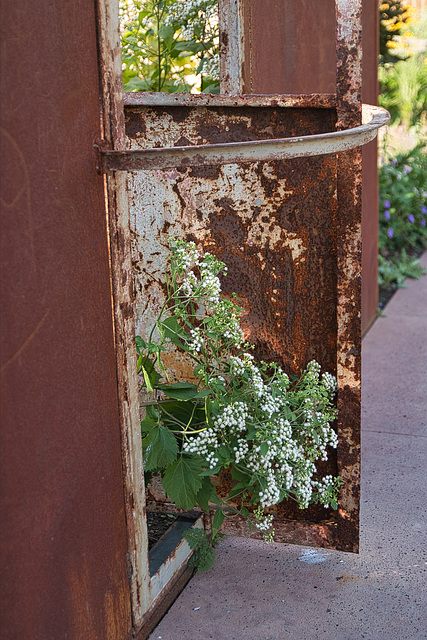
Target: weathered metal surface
<point x="349" y="81"/>
<point x="231" y="152"/>
<point x="63" y="535"/>
<point x="120" y="253"/>
<point x="231" y="46"/>
<point x="289" y="46"/>
<point x="315" y="100"/>
<point x="160" y="581"/>
<point x="273" y="223"/>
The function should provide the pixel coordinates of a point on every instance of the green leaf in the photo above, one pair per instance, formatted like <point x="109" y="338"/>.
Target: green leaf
<point x="161" y="448"/>
<point x="151" y="377"/>
<point x="152" y="412"/>
<point x="166" y="31"/>
<point x="264" y="448"/>
<point x="237" y="490"/>
<point x="147" y="379"/>
<point x="147" y="424"/>
<point x="179" y="390"/>
<point x="182" y="482"/>
<point x="219" y="518"/>
<point x="206" y="494"/>
<point x="172" y="330"/>
<point x="140" y="344"/>
<point x="177" y="413"/>
<point x="195" y="537"/>
<point x="204" y="555"/>
<point x="240" y="476"/>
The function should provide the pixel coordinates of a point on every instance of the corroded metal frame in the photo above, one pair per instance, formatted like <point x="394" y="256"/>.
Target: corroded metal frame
<point x="114" y="159"/>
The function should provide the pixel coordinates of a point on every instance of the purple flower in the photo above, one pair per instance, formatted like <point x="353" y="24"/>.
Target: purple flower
<point x="423" y="222"/>
<point x="411" y="218"/>
<point x="390" y="232"/>
<point x="387" y="204"/>
<point x="423" y="209"/>
<point x="407" y="169"/>
<point x="394" y="162"/>
<point x="387" y="214"/>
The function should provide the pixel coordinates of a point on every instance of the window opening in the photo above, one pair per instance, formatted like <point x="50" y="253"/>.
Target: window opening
<point x="170" y="45"/>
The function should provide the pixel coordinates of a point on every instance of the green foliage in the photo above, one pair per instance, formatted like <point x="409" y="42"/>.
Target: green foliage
<point x="160" y="446"/>
<point x="403" y="202"/>
<point x="182" y="481"/>
<point x="239" y="415"/>
<point x="169" y="45"/>
<point x="393" y="272"/>
<point x="203" y="558"/>
<point x="404" y="90"/>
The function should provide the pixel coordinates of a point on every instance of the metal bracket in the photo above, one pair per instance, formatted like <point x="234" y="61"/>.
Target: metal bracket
<point x="245" y="152"/>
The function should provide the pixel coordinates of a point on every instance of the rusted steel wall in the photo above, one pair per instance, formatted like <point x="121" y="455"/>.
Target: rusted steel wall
<point x="290" y="48"/>
<point x="349" y="254"/>
<point x="63" y="537"/>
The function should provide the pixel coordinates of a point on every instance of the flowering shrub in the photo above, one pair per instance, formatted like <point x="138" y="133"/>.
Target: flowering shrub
<point x="250" y="418"/>
<point x="170" y="45"/>
<point x="396" y="19"/>
<point x="403" y="214"/>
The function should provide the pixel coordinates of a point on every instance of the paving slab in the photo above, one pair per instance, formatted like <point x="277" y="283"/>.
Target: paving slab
<point x="273" y="592"/>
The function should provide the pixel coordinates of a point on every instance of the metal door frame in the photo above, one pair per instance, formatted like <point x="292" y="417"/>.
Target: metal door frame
<point x="348" y="104"/>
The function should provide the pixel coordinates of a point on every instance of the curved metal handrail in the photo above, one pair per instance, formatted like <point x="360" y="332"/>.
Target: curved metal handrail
<point x="243" y="152"/>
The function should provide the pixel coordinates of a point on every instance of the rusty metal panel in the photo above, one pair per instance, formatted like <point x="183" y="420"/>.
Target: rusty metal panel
<point x="183" y="155"/>
<point x="275" y="226"/>
<point x="289" y="46"/>
<point x="113" y="135"/>
<point x="231" y="46"/>
<point x="63" y="536"/>
<point x="349" y="253"/>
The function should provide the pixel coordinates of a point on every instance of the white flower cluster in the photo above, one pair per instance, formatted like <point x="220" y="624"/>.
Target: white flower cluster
<point x="240" y="450"/>
<point x="187" y="258"/>
<point x="227" y="324"/>
<point x="211" y="66"/>
<point x="245" y="364"/>
<point x="197" y="341"/>
<point x="186" y="255"/>
<point x="315" y="422"/>
<point x="265" y="523"/>
<point x="196" y="12"/>
<point x="232" y="418"/>
<point x="330" y="383"/>
<point x="313" y="370"/>
<point x="210" y="284"/>
<point x="205" y="445"/>
<point x="303" y="486"/>
<point x="322" y="488"/>
<point x="189" y="284"/>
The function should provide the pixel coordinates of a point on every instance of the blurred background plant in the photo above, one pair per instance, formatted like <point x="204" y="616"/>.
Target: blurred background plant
<point x="403" y="165"/>
<point x="170" y="45"/>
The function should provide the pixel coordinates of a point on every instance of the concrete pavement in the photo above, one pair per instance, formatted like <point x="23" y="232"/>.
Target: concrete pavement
<point x="273" y="592"/>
